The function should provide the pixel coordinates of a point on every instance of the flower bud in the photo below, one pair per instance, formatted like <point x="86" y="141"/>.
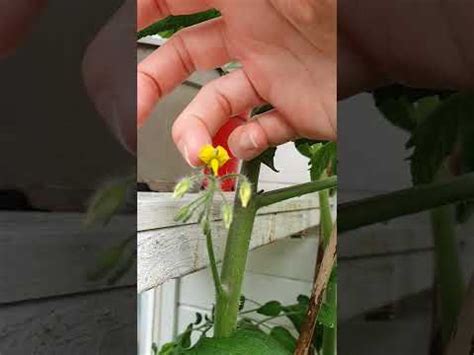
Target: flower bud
<point x="184" y="213"/>
<point x="227" y="215"/>
<point x="182" y="187"/>
<point x="245" y="193"/>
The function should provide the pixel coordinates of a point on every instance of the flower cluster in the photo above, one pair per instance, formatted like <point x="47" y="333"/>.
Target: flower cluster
<point x="213" y="158"/>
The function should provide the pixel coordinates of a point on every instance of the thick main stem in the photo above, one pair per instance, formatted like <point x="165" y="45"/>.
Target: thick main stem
<point x="235" y="258"/>
<point x="448" y="269"/>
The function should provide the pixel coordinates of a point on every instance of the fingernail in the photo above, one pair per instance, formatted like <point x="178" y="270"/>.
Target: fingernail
<point x="186" y="155"/>
<point x="248" y="142"/>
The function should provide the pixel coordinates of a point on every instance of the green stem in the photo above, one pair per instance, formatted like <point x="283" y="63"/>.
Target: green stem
<point x="212" y="261"/>
<point x="286" y="314"/>
<point x="271" y="197"/>
<point x="329" y="346"/>
<point x="355" y="214"/>
<point x="235" y="258"/>
<point x="448" y="269"/>
<point x="325" y="216"/>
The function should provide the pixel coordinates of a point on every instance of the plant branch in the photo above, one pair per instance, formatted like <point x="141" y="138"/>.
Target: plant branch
<point x="235" y="257"/>
<point x="461" y="342"/>
<point x="271" y="197"/>
<point x="355" y="214"/>
<point x="307" y="330"/>
<point x="448" y="269"/>
<point x="212" y="261"/>
<point x="326" y="224"/>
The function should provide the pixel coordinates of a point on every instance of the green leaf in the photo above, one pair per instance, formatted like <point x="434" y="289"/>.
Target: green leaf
<point x="272" y="309"/>
<point x="242" y="302"/>
<point x="198" y="319"/>
<point x="327" y="315"/>
<point x="296" y="313"/>
<point x="261" y="109"/>
<point x="425" y="107"/>
<point x="411" y="94"/>
<point x="184" y="339"/>
<point x="398" y="111"/>
<point x="323" y="156"/>
<point x="242" y="342"/>
<point x="304" y="146"/>
<point x="267" y="158"/>
<point x="173" y="24"/>
<point x="402" y="105"/>
<point x="246" y="323"/>
<point x="303" y="300"/>
<point x="107" y="201"/>
<point x="284" y="337"/>
<point x="435" y="137"/>
<point x="168" y="349"/>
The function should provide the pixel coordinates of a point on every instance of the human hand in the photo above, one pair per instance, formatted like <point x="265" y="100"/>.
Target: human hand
<point x="107" y="85"/>
<point x="287" y="49"/>
<point x="420" y="43"/>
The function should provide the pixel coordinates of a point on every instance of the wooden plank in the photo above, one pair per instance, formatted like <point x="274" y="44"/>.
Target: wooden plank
<point x="368" y="278"/>
<point x="45" y="254"/>
<point x="96" y="323"/>
<point x="384" y="239"/>
<point x="157" y="209"/>
<point x="406" y="331"/>
<point x="175" y="251"/>
<point x="197" y="290"/>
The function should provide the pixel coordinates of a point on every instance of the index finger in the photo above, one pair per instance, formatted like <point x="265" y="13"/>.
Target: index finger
<point x="150" y="11"/>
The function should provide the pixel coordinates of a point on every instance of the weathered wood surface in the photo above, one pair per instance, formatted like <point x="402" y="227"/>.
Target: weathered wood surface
<point x="381" y="264"/>
<point x="166" y="249"/>
<point x="95" y="323"/>
<point x="377" y="265"/>
<point x="50" y="254"/>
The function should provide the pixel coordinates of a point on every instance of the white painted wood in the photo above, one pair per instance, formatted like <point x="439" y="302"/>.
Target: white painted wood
<point x="157" y="210"/>
<point x="146" y="319"/>
<point x="96" y="323"/>
<point x="408" y="332"/>
<point x="165" y="326"/>
<point x="390" y="264"/>
<point x="46" y="254"/>
<point x="173" y="252"/>
<point x="365" y="280"/>
<point x="383" y="239"/>
<point x="292" y="167"/>
<point x="291" y="258"/>
<point x="197" y="289"/>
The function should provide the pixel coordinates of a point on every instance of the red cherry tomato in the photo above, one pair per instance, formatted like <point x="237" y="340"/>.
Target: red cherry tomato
<point x="221" y="138"/>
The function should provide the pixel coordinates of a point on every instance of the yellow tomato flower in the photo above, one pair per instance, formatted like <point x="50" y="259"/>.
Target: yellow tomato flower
<point x="214" y="157"/>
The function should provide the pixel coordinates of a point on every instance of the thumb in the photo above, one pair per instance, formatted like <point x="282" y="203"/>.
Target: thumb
<point x="263" y="131"/>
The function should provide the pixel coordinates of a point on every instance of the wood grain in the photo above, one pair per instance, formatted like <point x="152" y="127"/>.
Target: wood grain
<point x="96" y="323"/>
<point x="49" y="254"/>
<point x="168" y="250"/>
